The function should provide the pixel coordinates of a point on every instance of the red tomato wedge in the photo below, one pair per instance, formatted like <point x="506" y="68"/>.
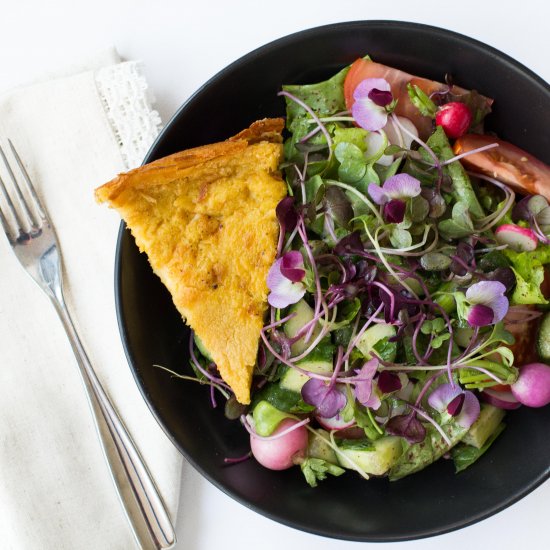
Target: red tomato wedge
<point x="398" y="80"/>
<point x="525" y="334"/>
<point x="506" y="163"/>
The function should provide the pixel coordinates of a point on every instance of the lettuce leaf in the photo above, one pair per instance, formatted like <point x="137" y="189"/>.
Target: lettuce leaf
<point x="462" y="187"/>
<point x="325" y="98"/>
<point x="528" y="268"/>
<point x="419" y="455"/>
<point x="465" y="455"/>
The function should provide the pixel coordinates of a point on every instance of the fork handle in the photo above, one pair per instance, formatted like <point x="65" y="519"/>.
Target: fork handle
<point x="136" y="489"/>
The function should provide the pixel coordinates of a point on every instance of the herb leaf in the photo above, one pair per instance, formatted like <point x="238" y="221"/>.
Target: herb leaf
<point x="317" y="469"/>
<point x="421" y="101"/>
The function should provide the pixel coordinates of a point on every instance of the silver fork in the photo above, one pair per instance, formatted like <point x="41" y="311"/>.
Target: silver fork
<point x="36" y="247"/>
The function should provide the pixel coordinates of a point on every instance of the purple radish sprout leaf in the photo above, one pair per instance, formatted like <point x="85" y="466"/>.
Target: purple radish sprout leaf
<point x="462" y="405"/>
<point x="327" y="399"/>
<point x="286" y="214"/>
<point x="407" y="426"/>
<point x="488" y="303"/>
<point x="388" y="382"/>
<point x="366" y="110"/>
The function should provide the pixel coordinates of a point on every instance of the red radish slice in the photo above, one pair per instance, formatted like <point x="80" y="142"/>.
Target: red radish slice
<point x="335" y="422"/>
<point x="520" y="239"/>
<point x="500" y="399"/>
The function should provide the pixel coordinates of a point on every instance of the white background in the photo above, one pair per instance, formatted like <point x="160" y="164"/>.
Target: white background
<point x="183" y="44"/>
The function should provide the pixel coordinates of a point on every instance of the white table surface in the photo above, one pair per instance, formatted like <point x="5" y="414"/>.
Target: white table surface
<point x="183" y="44"/>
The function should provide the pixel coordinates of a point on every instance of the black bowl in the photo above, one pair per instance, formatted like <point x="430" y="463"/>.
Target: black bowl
<point x="433" y="501"/>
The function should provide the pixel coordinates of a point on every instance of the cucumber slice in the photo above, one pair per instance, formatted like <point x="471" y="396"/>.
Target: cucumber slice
<point x="543" y="340"/>
<point x="372" y="336"/>
<point x="320" y="361"/>
<point x="201" y="348"/>
<point x="304" y="314"/>
<point x="376" y="461"/>
<point x="487" y="422"/>
<point x="318" y="448"/>
<point x="293" y="380"/>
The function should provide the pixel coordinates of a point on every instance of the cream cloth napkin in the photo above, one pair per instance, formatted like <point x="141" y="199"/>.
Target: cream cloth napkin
<point x="74" y="133"/>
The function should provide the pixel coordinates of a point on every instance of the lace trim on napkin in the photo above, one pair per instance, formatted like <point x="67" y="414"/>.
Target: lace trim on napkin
<point x="127" y="101"/>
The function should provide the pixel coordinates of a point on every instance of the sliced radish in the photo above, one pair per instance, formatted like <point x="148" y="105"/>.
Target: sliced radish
<point x="500" y="399"/>
<point x="376" y="145"/>
<point x="517" y="238"/>
<point x="335" y="422"/>
<point x="396" y="136"/>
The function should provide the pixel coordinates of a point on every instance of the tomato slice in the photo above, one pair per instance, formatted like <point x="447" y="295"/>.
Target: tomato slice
<point x="506" y="163"/>
<point x="398" y="80"/>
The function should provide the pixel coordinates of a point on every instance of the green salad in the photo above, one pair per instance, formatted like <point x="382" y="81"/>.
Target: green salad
<point x="406" y="266"/>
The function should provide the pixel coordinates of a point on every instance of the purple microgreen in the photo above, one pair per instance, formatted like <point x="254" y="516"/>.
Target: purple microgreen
<point x="471" y="152"/>
<point x="380" y="97"/>
<point x="377" y="194"/>
<point x="338" y="206"/>
<point x="480" y="315"/>
<point x="521" y="210"/>
<point x="436" y="201"/>
<point x="214" y="379"/>
<point x="364" y="391"/>
<point x="394" y="211"/>
<point x="455" y="406"/>
<point x="349" y="245"/>
<point x="464" y="259"/>
<point x="283" y="291"/>
<point x="319" y="300"/>
<point x="388" y="382"/>
<point x="407" y="426"/>
<point x="369" y="107"/>
<point x="326" y="398"/>
<point x="247" y="423"/>
<point x="490" y="295"/>
<point x="400" y="186"/>
<point x="427" y="417"/>
<point x="237" y="460"/>
<point x="440" y="398"/>
<point x="286" y="214"/>
<point x="292" y="266"/>
<point x="462" y="405"/>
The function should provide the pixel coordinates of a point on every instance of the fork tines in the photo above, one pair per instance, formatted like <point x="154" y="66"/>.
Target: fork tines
<point x="27" y="215"/>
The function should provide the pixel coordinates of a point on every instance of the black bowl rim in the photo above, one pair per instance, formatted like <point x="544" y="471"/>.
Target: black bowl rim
<point x="395" y="25"/>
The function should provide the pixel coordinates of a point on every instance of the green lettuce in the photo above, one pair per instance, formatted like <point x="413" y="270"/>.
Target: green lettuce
<point x="528" y="268"/>
<point x="462" y="187"/>
<point x="465" y="455"/>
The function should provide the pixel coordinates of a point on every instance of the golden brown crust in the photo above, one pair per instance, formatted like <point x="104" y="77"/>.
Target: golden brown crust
<point x="165" y="169"/>
<point x="206" y="219"/>
<point x="267" y="129"/>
